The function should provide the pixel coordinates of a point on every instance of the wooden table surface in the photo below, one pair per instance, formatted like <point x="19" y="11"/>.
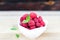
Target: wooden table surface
<point x="52" y="32"/>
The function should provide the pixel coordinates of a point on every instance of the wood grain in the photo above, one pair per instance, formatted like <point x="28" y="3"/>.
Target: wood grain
<point x="52" y="32"/>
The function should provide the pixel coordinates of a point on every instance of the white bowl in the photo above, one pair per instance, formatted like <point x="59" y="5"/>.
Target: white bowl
<point x="34" y="33"/>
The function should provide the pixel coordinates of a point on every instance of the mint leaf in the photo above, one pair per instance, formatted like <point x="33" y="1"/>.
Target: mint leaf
<point x="17" y="35"/>
<point x="27" y="19"/>
<point x="14" y="28"/>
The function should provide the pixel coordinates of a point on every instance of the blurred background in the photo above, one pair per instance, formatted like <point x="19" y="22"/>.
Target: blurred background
<point x="29" y="5"/>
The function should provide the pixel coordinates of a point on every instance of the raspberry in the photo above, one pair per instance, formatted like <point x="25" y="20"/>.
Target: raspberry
<point x="42" y="23"/>
<point x="24" y="25"/>
<point x="38" y="24"/>
<point x="21" y="19"/>
<point x="30" y="18"/>
<point x="33" y="15"/>
<point x="32" y="27"/>
<point x="40" y="19"/>
<point x="24" y="16"/>
<point x="35" y="20"/>
<point x="31" y="23"/>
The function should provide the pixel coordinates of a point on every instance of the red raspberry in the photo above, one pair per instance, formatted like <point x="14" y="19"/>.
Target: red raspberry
<point x="32" y="27"/>
<point x="30" y="18"/>
<point x="40" y="19"/>
<point x="38" y="24"/>
<point x="24" y="25"/>
<point x="31" y="23"/>
<point x="35" y="20"/>
<point x="24" y="16"/>
<point x="42" y="23"/>
<point x="33" y="15"/>
<point x="21" y="19"/>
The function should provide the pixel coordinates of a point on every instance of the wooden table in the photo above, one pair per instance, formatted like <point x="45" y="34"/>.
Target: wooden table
<point x="9" y="19"/>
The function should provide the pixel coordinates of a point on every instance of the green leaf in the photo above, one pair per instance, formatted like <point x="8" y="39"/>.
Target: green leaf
<point x="27" y="19"/>
<point x="17" y="35"/>
<point x="14" y="28"/>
